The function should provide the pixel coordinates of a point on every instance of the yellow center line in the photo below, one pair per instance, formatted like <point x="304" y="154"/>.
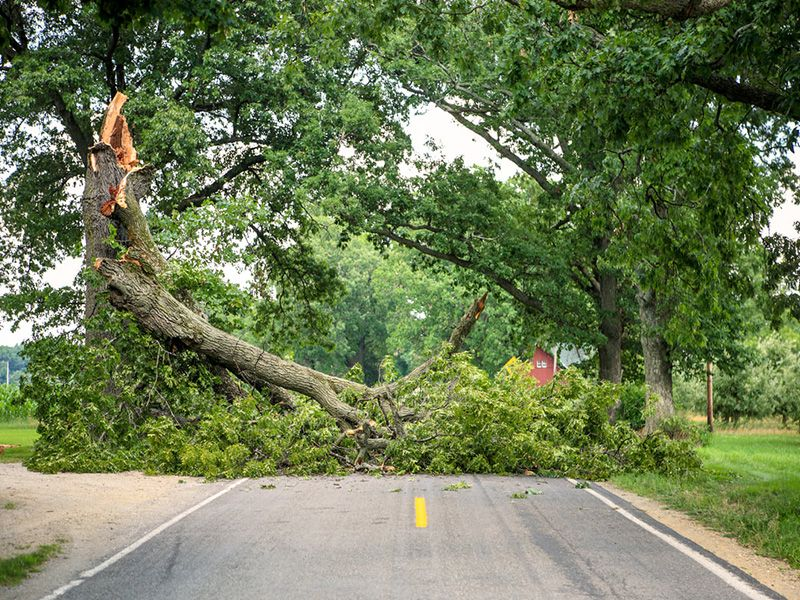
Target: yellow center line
<point x="422" y="514"/>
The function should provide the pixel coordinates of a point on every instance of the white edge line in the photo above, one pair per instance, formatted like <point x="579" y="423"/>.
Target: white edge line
<point x="727" y="576"/>
<point x="125" y="551"/>
<point x="63" y="589"/>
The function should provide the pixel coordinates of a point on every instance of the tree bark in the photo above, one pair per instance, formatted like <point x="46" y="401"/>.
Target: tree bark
<point x="97" y="228"/>
<point x="611" y="327"/>
<point x="610" y="353"/>
<point x="736" y="90"/>
<point x="657" y="360"/>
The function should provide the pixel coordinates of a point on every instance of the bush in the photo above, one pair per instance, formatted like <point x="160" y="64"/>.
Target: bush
<point x="632" y="399"/>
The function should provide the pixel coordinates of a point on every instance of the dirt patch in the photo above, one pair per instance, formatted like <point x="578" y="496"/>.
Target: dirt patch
<point x="92" y="515"/>
<point x="773" y="573"/>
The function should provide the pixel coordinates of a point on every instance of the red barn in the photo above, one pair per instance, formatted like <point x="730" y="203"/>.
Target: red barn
<point x="543" y="366"/>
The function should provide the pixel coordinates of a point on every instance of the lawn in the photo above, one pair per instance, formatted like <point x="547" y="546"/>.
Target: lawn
<point x="749" y="488"/>
<point x="20" y="433"/>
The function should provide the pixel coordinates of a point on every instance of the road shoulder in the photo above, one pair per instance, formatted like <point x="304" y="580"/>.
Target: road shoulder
<point x="773" y="573"/>
<point x="91" y="515"/>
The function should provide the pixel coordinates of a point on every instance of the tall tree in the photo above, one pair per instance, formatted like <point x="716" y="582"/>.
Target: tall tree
<point x="659" y="175"/>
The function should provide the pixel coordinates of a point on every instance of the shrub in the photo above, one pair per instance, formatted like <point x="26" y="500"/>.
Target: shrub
<point x="632" y="404"/>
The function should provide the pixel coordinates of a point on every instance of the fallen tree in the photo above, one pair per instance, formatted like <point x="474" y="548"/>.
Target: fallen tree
<point x="115" y="182"/>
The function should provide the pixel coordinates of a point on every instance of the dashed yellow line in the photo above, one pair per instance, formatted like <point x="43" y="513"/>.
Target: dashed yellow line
<point x="421" y="513"/>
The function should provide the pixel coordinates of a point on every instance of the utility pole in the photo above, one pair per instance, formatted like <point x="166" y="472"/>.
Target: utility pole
<point x="710" y="395"/>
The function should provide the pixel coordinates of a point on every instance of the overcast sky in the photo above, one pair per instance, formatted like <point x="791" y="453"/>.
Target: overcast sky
<point x="453" y="141"/>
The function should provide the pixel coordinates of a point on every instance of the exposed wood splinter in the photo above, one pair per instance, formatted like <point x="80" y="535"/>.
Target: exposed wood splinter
<point x="107" y="207"/>
<point x="133" y="261"/>
<point x="116" y="134"/>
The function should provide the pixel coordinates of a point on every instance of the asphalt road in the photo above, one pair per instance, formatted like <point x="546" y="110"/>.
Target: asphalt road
<point x="363" y="537"/>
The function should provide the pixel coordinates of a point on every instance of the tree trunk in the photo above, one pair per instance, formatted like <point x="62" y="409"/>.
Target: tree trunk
<point x="657" y="360"/>
<point x="611" y="328"/>
<point x="97" y="231"/>
<point x="610" y="352"/>
<point x="106" y="178"/>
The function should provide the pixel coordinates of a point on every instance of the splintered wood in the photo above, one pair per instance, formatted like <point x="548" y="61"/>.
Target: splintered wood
<point x="116" y="134"/>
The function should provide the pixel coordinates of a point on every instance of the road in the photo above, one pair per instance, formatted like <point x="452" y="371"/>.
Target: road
<point x="408" y="537"/>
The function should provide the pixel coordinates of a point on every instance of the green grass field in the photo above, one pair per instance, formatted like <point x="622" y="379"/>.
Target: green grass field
<point x="20" y="433"/>
<point x="749" y="489"/>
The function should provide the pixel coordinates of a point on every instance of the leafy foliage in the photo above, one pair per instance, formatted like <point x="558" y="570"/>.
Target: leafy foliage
<point x="507" y="425"/>
<point x="157" y="411"/>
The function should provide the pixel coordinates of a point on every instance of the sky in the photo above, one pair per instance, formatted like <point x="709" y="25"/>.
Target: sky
<point x="453" y="141"/>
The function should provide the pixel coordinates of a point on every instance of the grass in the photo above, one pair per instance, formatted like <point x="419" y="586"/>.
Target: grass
<point x="21" y="433"/>
<point x="749" y="489"/>
<point x="15" y="569"/>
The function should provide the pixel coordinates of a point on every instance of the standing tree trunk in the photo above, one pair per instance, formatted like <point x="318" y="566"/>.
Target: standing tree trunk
<point x="611" y="328"/>
<point x="101" y="188"/>
<point x="657" y="360"/>
<point x="605" y="288"/>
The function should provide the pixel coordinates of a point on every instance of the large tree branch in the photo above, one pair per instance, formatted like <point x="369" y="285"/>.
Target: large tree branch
<point x="108" y="60"/>
<point x="199" y="197"/>
<point x="675" y="9"/>
<point x="79" y="137"/>
<point x="503" y="283"/>
<point x="160" y="313"/>
<point x="736" y="91"/>
<point x="501" y="149"/>
<point x="521" y="128"/>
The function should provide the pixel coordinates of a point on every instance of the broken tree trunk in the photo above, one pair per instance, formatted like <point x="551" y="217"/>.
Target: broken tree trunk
<point x="111" y="178"/>
<point x="133" y="285"/>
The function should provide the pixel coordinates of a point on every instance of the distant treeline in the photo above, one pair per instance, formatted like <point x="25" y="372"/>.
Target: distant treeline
<point x="16" y="363"/>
